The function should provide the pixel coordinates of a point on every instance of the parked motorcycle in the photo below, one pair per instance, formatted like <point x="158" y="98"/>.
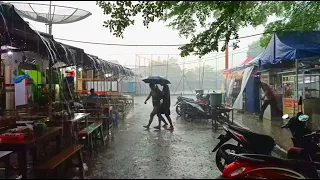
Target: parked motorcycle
<point x="180" y="100"/>
<point x="191" y="111"/>
<point x="247" y="141"/>
<point x="251" y="142"/>
<point x="202" y="101"/>
<point x="196" y="110"/>
<point x="305" y="142"/>
<point x="302" y="165"/>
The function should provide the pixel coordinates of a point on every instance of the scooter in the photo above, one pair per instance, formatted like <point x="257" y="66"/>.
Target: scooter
<point x="303" y="157"/>
<point x="180" y="100"/>
<point x="196" y="110"/>
<point x="203" y="101"/>
<point x="302" y="164"/>
<point x="191" y="111"/>
<point x="252" y="166"/>
<point x="247" y="142"/>
<point x="251" y="142"/>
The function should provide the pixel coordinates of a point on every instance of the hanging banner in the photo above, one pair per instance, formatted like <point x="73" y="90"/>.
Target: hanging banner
<point x="238" y="104"/>
<point x="227" y="74"/>
<point x="229" y="89"/>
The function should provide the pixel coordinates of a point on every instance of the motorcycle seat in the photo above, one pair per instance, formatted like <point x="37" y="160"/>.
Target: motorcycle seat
<point x="259" y="143"/>
<point x="272" y="160"/>
<point x="186" y="99"/>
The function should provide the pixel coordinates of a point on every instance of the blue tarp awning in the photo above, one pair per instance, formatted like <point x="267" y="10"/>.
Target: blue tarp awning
<point x="20" y="78"/>
<point x="291" y="46"/>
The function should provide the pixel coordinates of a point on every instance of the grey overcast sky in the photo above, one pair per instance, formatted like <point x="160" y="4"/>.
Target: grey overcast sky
<point x="91" y="29"/>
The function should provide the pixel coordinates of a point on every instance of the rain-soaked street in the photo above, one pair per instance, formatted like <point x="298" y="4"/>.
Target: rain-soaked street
<point x="134" y="152"/>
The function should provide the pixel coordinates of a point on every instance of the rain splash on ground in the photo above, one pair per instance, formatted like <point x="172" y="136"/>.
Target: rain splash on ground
<point x="134" y="152"/>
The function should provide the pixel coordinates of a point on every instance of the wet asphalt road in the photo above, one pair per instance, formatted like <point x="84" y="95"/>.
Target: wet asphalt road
<point x="134" y="152"/>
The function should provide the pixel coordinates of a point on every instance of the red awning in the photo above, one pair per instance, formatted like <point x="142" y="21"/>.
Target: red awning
<point x="246" y="61"/>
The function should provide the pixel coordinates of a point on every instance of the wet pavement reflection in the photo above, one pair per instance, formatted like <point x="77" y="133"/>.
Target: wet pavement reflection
<point x="282" y="136"/>
<point x="134" y="152"/>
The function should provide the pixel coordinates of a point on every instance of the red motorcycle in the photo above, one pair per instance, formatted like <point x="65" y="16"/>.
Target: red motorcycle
<point x="253" y="143"/>
<point x="300" y="165"/>
<point x="255" y="166"/>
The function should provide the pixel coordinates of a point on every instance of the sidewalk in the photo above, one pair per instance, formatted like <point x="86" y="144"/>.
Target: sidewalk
<point x="281" y="136"/>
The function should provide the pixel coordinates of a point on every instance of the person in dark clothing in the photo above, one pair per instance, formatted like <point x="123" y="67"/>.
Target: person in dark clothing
<point x="155" y="93"/>
<point x="269" y="99"/>
<point x="92" y="94"/>
<point x="165" y="106"/>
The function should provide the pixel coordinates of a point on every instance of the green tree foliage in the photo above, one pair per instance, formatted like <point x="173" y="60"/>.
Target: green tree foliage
<point x="293" y="16"/>
<point x="220" y="20"/>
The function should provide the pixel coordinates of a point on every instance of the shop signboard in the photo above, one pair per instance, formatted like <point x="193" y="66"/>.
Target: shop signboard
<point x="289" y="101"/>
<point x="290" y="106"/>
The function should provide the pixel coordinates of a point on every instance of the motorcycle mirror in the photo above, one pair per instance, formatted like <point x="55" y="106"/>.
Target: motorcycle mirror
<point x="285" y="116"/>
<point x="303" y="117"/>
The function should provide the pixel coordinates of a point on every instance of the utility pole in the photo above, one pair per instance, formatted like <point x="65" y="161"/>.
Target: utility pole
<point x="202" y="76"/>
<point x="183" y="77"/>
<point x="151" y="64"/>
<point x="199" y="73"/>
<point x="167" y="66"/>
<point x="227" y="57"/>
<point x="135" y="76"/>
<point x="217" y="71"/>
<point x="232" y="60"/>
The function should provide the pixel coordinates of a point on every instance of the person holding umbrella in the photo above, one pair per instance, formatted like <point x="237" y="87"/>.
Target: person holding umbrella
<point x="155" y="93"/>
<point x="165" y="106"/>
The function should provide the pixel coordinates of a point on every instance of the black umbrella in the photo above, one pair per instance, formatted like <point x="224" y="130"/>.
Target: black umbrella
<point x="156" y="80"/>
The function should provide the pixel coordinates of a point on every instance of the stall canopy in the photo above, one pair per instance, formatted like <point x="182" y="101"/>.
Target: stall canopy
<point x="255" y="61"/>
<point x="17" y="33"/>
<point x="242" y="66"/>
<point x="290" y="46"/>
<point x="246" y="61"/>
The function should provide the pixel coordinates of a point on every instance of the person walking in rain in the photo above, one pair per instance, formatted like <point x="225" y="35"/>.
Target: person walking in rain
<point x="165" y="106"/>
<point x="155" y="93"/>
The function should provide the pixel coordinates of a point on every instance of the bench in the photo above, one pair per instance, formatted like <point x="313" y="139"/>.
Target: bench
<point x="45" y="170"/>
<point x="100" y="114"/>
<point x="90" y="131"/>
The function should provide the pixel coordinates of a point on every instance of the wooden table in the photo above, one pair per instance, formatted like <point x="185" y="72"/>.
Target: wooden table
<point x="78" y="117"/>
<point x="104" y="113"/>
<point x="31" y="117"/>
<point x="72" y="125"/>
<point x="22" y="146"/>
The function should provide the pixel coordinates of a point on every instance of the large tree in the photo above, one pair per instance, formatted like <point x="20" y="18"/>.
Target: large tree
<point x="220" y="20"/>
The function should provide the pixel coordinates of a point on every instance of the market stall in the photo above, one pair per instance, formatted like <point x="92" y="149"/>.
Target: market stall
<point x="239" y="83"/>
<point x="295" y="56"/>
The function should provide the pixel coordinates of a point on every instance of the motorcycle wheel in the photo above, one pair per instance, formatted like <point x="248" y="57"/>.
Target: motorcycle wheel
<point x="187" y="117"/>
<point x="178" y="109"/>
<point x="223" y="156"/>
